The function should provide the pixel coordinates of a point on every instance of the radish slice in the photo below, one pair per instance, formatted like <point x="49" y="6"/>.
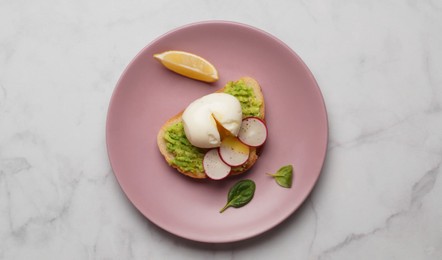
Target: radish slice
<point x="233" y="152"/>
<point x="214" y="167"/>
<point x="253" y="132"/>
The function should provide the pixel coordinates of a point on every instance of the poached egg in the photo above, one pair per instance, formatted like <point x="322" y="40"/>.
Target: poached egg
<point x="202" y="116"/>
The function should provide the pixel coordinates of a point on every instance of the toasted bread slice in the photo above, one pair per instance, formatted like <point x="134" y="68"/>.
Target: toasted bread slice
<point x="199" y="174"/>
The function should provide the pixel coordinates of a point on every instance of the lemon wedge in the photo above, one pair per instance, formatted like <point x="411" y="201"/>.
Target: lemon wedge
<point x="188" y="64"/>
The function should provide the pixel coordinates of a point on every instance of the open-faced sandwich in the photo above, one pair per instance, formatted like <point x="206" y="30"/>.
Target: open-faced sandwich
<point x="218" y="134"/>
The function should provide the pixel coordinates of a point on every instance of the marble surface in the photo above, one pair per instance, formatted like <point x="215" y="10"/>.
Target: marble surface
<point x="378" y="64"/>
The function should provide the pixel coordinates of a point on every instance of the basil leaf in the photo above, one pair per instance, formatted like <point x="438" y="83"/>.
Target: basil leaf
<point x="284" y="176"/>
<point x="240" y="194"/>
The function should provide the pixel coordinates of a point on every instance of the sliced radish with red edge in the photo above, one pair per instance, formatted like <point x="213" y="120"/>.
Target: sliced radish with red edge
<point x="233" y="152"/>
<point x="253" y="132"/>
<point x="214" y="167"/>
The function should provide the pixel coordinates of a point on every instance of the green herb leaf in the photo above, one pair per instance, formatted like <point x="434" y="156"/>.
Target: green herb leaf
<point x="284" y="176"/>
<point x="240" y="194"/>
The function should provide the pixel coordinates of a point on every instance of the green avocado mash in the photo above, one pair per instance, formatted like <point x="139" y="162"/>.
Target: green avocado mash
<point x="249" y="104"/>
<point x="190" y="158"/>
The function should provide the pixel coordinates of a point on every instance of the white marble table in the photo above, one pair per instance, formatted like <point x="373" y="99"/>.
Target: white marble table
<point x="378" y="64"/>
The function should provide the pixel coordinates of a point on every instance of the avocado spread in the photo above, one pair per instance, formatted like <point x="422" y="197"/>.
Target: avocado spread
<point x="190" y="158"/>
<point x="249" y="103"/>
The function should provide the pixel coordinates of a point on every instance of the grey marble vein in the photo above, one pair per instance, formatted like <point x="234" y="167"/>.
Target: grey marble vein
<point x="421" y="188"/>
<point x="315" y="228"/>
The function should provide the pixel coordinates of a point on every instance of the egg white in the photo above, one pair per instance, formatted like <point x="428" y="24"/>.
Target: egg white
<point x="199" y="119"/>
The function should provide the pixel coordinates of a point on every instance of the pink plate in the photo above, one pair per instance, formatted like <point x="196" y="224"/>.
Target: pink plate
<point x="147" y="95"/>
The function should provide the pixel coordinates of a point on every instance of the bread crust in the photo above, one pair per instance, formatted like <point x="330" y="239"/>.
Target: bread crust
<point x="253" y="157"/>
